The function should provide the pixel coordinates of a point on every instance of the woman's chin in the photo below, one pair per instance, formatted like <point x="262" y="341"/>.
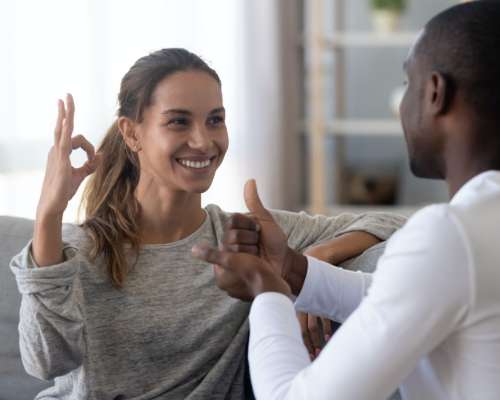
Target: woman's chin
<point x="197" y="187"/>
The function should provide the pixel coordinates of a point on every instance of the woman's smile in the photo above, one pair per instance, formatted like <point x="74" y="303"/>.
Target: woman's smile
<point x="197" y="163"/>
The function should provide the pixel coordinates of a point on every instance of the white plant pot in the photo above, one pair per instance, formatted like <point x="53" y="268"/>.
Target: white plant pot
<point x="386" y="21"/>
<point x="395" y="99"/>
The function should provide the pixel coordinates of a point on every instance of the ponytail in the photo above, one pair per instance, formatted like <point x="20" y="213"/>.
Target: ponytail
<point x="111" y="209"/>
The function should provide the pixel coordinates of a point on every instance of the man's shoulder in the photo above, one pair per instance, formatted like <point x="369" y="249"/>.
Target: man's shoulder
<point x="435" y="228"/>
<point x="429" y="218"/>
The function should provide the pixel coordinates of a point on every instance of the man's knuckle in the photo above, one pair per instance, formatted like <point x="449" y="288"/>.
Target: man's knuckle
<point x="231" y="236"/>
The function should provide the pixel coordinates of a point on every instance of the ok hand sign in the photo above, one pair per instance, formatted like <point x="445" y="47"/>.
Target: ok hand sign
<point x="62" y="179"/>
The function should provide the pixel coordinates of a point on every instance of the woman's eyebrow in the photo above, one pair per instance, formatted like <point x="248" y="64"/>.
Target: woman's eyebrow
<point x="176" y="111"/>
<point x="217" y="110"/>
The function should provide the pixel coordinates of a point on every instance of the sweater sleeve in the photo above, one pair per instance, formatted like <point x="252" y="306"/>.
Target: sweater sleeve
<point x="304" y="230"/>
<point x="51" y="323"/>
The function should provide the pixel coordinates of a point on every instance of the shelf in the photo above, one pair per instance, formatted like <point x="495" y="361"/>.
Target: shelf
<point x="317" y="42"/>
<point x="370" y="39"/>
<point x="364" y="127"/>
<point x="407" y="211"/>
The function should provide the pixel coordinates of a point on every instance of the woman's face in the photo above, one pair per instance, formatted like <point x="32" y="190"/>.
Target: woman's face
<point x="183" y="136"/>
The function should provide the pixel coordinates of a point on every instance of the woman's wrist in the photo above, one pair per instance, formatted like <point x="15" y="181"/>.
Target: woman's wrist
<point x="47" y="247"/>
<point x="343" y="247"/>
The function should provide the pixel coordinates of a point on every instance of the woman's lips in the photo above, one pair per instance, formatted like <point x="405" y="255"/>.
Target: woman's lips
<point x="196" y="162"/>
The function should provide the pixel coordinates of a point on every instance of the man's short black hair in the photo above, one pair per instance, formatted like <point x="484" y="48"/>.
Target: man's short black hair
<point x="463" y="43"/>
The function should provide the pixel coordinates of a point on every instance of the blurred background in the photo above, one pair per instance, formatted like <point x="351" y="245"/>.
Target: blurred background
<point x="311" y="90"/>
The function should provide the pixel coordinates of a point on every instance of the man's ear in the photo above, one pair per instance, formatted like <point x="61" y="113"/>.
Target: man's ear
<point x="440" y="93"/>
<point x="127" y="129"/>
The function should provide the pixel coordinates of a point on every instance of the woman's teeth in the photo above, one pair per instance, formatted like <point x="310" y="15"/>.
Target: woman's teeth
<point x="195" y="164"/>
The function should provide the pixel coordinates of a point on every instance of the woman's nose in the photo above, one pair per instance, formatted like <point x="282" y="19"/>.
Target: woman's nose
<point x="200" y="139"/>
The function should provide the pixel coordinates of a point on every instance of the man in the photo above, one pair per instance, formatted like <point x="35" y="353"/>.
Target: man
<point x="428" y="319"/>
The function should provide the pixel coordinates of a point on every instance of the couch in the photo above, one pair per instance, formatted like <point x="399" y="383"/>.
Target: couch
<point x="15" y="383"/>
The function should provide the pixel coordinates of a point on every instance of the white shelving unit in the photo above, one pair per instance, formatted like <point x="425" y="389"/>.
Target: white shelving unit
<point x="317" y="43"/>
<point x="369" y="39"/>
<point x="363" y="127"/>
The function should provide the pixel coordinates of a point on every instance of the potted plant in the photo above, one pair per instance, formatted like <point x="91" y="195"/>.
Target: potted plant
<point x="386" y="14"/>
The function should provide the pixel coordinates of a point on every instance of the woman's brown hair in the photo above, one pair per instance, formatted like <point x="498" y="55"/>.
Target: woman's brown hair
<point x="111" y="209"/>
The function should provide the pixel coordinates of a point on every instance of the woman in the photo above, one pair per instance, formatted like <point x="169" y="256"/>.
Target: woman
<point x="117" y="308"/>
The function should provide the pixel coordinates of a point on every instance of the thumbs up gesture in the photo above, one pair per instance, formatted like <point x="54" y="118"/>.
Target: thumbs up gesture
<point x="255" y="256"/>
<point x="272" y="245"/>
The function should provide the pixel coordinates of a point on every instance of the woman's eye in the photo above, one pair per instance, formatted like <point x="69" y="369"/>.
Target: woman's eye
<point x="177" y="122"/>
<point x="216" y="120"/>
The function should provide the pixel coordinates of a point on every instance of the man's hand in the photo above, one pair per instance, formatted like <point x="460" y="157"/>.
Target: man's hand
<point x="238" y="269"/>
<point x="242" y="275"/>
<point x="273" y="243"/>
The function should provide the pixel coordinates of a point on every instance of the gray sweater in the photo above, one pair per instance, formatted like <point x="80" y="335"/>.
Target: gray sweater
<point x="170" y="333"/>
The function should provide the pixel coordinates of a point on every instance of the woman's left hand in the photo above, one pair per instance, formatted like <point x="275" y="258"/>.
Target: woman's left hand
<point x="316" y="332"/>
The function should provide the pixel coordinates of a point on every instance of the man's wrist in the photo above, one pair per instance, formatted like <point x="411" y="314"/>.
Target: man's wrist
<point x="295" y="270"/>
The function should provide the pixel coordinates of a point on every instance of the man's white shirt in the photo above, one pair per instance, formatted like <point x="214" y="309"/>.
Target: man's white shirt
<point x="428" y="319"/>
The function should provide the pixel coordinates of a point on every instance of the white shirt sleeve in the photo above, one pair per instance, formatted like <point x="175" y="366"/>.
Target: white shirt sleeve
<point x="419" y="293"/>
<point x="331" y="292"/>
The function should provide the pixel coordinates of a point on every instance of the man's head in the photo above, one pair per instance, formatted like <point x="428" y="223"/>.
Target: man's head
<point x="453" y="94"/>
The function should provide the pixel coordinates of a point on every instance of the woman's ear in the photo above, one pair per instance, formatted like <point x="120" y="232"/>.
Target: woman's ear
<point x="127" y="129"/>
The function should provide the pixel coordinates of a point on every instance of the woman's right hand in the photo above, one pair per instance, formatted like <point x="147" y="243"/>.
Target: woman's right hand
<point x="62" y="179"/>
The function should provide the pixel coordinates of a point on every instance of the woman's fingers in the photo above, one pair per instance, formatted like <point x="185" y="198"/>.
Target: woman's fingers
<point x="314" y="332"/>
<point x="302" y="317"/>
<point x="327" y="329"/>
<point x="88" y="168"/>
<point x="80" y="142"/>
<point x="70" y="114"/>
<point x="67" y="127"/>
<point x="312" y="328"/>
<point x="59" y="121"/>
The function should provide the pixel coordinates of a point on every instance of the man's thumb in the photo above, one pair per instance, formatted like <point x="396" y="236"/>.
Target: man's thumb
<point x="253" y="202"/>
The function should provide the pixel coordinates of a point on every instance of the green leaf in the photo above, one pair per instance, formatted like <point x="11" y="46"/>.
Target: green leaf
<point x="393" y="5"/>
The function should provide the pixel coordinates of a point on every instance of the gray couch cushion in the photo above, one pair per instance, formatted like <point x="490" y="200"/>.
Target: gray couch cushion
<point x="15" y="383"/>
<point x="366" y="262"/>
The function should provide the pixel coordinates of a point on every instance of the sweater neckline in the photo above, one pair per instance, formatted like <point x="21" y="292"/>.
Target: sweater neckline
<point x="191" y="237"/>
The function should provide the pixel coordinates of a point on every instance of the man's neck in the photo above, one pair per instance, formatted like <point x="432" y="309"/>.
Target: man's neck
<point x="459" y="173"/>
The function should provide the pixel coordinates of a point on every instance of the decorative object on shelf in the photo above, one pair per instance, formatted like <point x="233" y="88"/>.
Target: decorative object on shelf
<point x="370" y="189"/>
<point x="395" y="99"/>
<point x="386" y="14"/>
